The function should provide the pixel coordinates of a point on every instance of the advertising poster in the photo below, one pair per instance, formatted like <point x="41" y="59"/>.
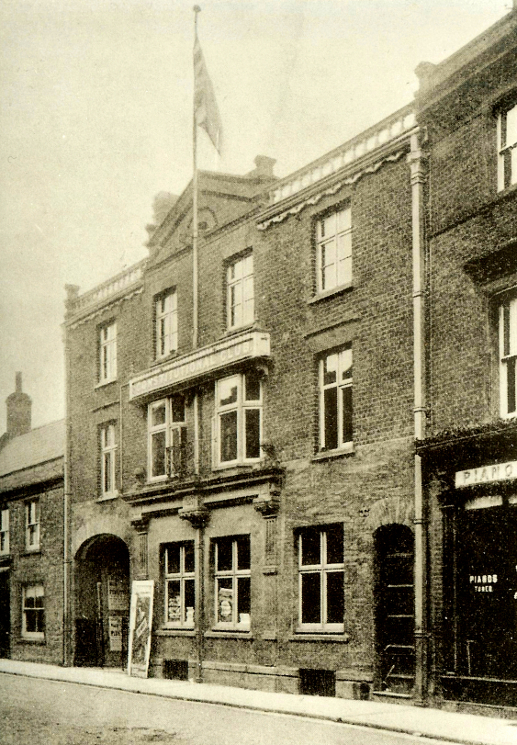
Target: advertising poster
<point x="140" y="623"/>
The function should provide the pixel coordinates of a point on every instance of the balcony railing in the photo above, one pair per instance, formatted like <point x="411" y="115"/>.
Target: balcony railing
<point x="117" y="285"/>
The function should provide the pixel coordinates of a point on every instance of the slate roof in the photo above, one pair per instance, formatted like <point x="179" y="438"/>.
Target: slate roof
<point x="40" y="445"/>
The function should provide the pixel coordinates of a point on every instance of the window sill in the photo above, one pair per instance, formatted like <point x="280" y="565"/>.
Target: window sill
<point x="507" y="191"/>
<point x="175" y="631"/>
<point x="228" y="634"/>
<point x="238" y="465"/>
<point x="330" y="293"/>
<point x="31" y="552"/>
<point x="338" y="637"/>
<point x="104" y="383"/>
<point x="36" y="642"/>
<point x="240" y="329"/>
<point x="108" y="497"/>
<point x="166" y="358"/>
<point x="329" y="454"/>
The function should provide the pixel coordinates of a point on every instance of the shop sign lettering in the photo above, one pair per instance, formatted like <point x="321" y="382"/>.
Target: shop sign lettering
<point x="486" y="474"/>
<point x="483" y="582"/>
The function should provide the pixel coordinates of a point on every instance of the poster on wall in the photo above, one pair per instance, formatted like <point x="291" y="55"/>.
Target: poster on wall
<point x="117" y="593"/>
<point x="140" y="624"/>
<point x="115" y="633"/>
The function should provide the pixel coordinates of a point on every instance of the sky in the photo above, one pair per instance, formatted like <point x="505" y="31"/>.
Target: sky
<point x="96" y="119"/>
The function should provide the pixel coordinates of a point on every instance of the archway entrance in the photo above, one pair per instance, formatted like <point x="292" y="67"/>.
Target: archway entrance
<point x="101" y="602"/>
<point x="394" y="606"/>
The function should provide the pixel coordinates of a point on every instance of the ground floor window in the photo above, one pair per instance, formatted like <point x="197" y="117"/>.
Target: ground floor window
<point x="180" y="591"/>
<point x="33" y="612"/>
<point x="321" y="578"/>
<point x="232" y="561"/>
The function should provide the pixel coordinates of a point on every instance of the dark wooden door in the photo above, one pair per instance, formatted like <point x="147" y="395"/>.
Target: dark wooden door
<point x="5" y="615"/>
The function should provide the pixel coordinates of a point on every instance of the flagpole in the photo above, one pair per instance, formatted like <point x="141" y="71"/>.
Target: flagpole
<point x="195" y="313"/>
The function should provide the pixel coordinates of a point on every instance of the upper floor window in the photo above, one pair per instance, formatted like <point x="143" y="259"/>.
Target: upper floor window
<point x="237" y="433"/>
<point x="321" y="579"/>
<point x="108" y="460"/>
<point x="233" y="583"/>
<point x="335" y="380"/>
<point x="240" y="309"/>
<point x="166" y="324"/>
<point x="334" y="250"/>
<point x="179" y="566"/>
<point x="4" y="530"/>
<point x="33" y="612"/>
<point x="508" y="357"/>
<point x="32" y="525"/>
<point x="167" y="435"/>
<point x="108" y="353"/>
<point x="507" y="147"/>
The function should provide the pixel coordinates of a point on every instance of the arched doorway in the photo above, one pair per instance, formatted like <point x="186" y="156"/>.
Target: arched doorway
<point x="101" y="602"/>
<point x="394" y="609"/>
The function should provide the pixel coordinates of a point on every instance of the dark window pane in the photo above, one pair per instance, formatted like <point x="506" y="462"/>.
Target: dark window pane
<point x="173" y="602"/>
<point x="190" y="600"/>
<point x="225" y="600"/>
<point x="252" y="387"/>
<point x="311" y="598"/>
<point x="243" y="596"/>
<point x="243" y="552"/>
<point x="330" y="418"/>
<point x="158" y="415"/>
<point x="173" y="558"/>
<point x="330" y="369"/>
<point x="252" y="419"/>
<point x="189" y="556"/>
<point x="347" y="414"/>
<point x="229" y="436"/>
<point x="158" y="454"/>
<point x="335" y="597"/>
<point x="310" y="547"/>
<point x="178" y="409"/>
<point x="224" y="554"/>
<point x="511" y="384"/>
<point x="335" y="544"/>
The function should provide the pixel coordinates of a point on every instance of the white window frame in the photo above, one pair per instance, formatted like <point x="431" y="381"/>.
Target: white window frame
<point x="174" y="431"/>
<point x="507" y="148"/>
<point x="323" y="569"/>
<point x="166" y="324"/>
<point x="107" y="353"/>
<point x="240" y="406"/>
<point x="340" y="384"/>
<point x="240" y="292"/>
<point x="33" y="592"/>
<point x="183" y="578"/>
<point x="334" y="250"/>
<point x="508" y="358"/>
<point x="32" y="525"/>
<point x="4" y="531"/>
<point x="108" y="445"/>
<point x="227" y="599"/>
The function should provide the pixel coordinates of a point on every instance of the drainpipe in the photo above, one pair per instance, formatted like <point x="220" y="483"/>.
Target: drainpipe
<point x="416" y="159"/>
<point x="67" y="631"/>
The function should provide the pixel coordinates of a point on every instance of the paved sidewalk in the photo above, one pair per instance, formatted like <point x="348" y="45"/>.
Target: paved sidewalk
<point x="433" y="723"/>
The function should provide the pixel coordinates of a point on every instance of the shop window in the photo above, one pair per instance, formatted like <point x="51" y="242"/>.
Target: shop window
<point x="321" y="579"/>
<point x="166" y="324"/>
<point x="32" y="525"/>
<point x="33" y="612"/>
<point x="4" y="531"/>
<point x="167" y="438"/>
<point x="508" y="357"/>
<point x="507" y="147"/>
<point x="240" y="308"/>
<point x="237" y="427"/>
<point x="108" y="460"/>
<point x="335" y="381"/>
<point x="179" y="580"/>
<point x="233" y="583"/>
<point x="334" y="250"/>
<point x="108" y="353"/>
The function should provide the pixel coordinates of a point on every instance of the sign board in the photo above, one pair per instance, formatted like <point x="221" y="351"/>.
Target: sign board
<point x="486" y="474"/>
<point x="140" y="624"/>
<point x="117" y="593"/>
<point x="115" y="633"/>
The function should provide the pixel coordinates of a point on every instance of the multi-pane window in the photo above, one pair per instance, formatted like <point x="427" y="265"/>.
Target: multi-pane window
<point x="334" y="250"/>
<point x="238" y="426"/>
<point x="179" y="567"/>
<point x="240" y="292"/>
<point x="107" y="353"/>
<point x="507" y="147"/>
<point x="33" y="612"/>
<point x="336" y="399"/>
<point x="167" y="433"/>
<point x="166" y="324"/>
<point x="4" y="530"/>
<point x="321" y="579"/>
<point x="32" y="525"/>
<point x="508" y="357"/>
<point x="108" y="460"/>
<point x="233" y="583"/>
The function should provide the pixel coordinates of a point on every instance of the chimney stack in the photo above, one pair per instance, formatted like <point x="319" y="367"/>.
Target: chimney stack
<point x="19" y="406"/>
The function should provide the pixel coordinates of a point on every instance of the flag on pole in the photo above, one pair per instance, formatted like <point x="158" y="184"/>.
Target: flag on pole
<point x="206" y="112"/>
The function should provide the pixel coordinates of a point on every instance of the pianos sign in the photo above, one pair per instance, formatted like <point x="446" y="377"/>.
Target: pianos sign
<point x="487" y="474"/>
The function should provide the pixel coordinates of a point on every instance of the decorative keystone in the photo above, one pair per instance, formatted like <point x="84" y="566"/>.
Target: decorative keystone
<point x="268" y="504"/>
<point x="194" y="511"/>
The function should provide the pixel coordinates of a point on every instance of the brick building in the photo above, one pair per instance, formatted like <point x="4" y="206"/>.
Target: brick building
<point x="468" y="107"/>
<point x="31" y="535"/>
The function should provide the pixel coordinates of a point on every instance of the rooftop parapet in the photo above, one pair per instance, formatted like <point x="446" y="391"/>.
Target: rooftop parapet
<point x="113" y="288"/>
